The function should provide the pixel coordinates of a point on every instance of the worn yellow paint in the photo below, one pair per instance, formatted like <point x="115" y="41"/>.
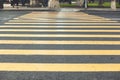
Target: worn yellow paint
<point x="59" y="67"/>
<point x="59" y="52"/>
<point x="57" y="35"/>
<point x="83" y="17"/>
<point x="56" y="30"/>
<point x="64" y="23"/>
<point x="61" y="26"/>
<point x="43" y="20"/>
<point x="60" y="15"/>
<point x="59" y="42"/>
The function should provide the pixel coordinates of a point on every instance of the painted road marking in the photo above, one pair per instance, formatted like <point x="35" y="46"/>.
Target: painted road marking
<point x="68" y="23"/>
<point x="82" y="20"/>
<point x="56" y="30"/>
<point x="56" y="18"/>
<point x="55" y="15"/>
<point x="58" y="26"/>
<point x="59" y="42"/>
<point x="58" y="35"/>
<point x="59" y="52"/>
<point x="59" y="67"/>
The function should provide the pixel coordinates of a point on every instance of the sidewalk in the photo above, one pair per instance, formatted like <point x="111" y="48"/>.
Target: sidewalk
<point x="8" y="7"/>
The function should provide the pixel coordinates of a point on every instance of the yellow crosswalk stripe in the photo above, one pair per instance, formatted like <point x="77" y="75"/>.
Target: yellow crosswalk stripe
<point x="59" y="42"/>
<point x="59" y="52"/>
<point x="57" y="30"/>
<point x="53" y="18"/>
<point x="59" y="67"/>
<point x="60" y="27"/>
<point x="82" y="20"/>
<point x="78" y="19"/>
<point x="66" y="23"/>
<point x="57" y="35"/>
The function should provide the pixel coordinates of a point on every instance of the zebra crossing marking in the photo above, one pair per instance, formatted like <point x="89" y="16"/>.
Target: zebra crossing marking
<point x="59" y="42"/>
<point x="67" y="23"/>
<point x="53" y="15"/>
<point x="18" y="26"/>
<point x="59" y="18"/>
<point x="35" y="21"/>
<point x="58" y="35"/>
<point x="56" y="21"/>
<point x="56" y="30"/>
<point x="59" y="52"/>
<point x="59" y="67"/>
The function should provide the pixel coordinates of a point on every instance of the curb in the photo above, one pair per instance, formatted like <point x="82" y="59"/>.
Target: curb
<point x="71" y="9"/>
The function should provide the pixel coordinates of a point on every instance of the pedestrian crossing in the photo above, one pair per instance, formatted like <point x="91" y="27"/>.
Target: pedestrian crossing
<point x="59" y="52"/>
<point x="59" y="18"/>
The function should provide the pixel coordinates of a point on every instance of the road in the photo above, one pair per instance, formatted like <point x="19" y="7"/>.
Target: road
<point x="7" y="15"/>
<point x="59" y="46"/>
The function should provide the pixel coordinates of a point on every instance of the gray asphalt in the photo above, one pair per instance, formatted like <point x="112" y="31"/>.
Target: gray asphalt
<point x="59" y="59"/>
<point x="7" y="15"/>
<point x="58" y="47"/>
<point x="59" y="75"/>
<point x="114" y="15"/>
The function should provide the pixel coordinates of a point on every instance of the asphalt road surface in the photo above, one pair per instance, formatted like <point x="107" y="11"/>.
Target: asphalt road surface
<point x="7" y="15"/>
